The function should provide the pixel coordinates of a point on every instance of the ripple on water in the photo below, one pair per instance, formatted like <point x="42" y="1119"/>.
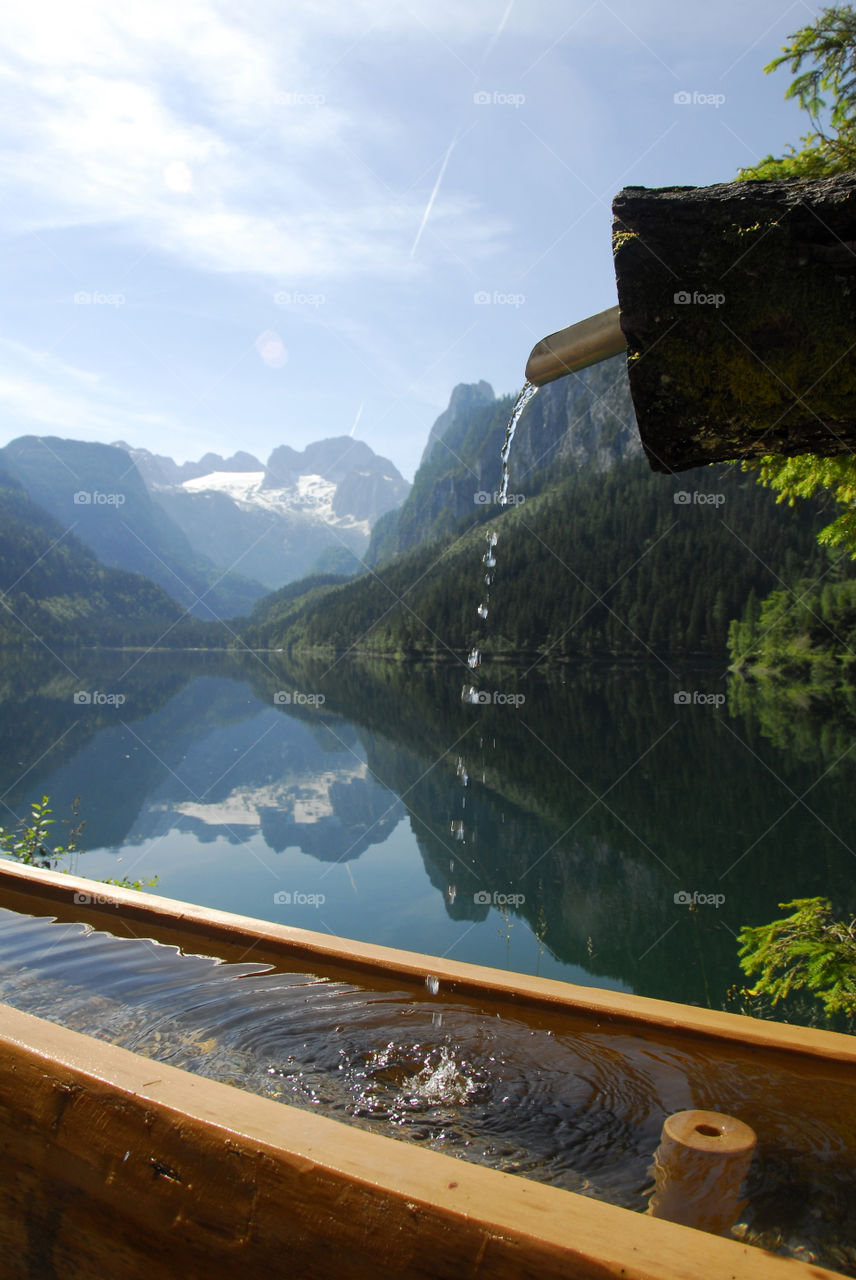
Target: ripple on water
<point x="563" y="1102"/>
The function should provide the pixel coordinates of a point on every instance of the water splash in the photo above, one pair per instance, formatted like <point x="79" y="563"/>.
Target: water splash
<point x="529" y="390"/>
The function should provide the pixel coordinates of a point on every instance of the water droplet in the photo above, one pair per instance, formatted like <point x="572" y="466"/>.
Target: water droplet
<point x="474" y="659"/>
<point x="433" y="984"/>
<point x="482" y="610"/>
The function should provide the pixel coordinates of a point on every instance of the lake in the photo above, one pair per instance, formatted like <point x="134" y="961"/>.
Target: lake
<point x="602" y="824"/>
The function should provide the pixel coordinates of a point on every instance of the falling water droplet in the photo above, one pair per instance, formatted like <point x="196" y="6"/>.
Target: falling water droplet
<point x="482" y="611"/>
<point x="474" y="659"/>
<point x="433" y="984"/>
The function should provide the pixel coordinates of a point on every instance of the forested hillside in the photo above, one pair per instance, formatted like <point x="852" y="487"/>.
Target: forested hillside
<point x="54" y="591"/>
<point x="622" y="562"/>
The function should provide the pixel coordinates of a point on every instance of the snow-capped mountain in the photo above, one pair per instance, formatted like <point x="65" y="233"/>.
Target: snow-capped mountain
<point x="301" y="512"/>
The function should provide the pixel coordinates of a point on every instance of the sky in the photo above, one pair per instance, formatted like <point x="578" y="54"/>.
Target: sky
<point x="235" y="226"/>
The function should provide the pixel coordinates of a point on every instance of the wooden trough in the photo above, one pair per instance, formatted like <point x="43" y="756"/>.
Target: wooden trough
<point x="737" y="308"/>
<point x="123" y="1167"/>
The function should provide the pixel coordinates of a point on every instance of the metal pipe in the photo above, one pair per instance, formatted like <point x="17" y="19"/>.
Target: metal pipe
<point x="585" y="343"/>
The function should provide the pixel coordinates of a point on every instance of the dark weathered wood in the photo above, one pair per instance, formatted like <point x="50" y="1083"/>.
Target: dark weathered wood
<point x="738" y="302"/>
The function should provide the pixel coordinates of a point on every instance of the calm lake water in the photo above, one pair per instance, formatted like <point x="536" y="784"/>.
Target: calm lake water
<point x="606" y="825"/>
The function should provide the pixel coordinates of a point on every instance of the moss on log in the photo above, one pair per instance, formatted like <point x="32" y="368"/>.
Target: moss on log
<point x="738" y="302"/>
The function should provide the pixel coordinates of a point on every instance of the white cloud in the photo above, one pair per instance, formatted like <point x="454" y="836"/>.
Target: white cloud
<point x="111" y="104"/>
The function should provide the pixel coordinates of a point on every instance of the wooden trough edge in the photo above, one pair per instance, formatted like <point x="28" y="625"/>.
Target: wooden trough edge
<point x="235" y="937"/>
<point x="126" y="1167"/>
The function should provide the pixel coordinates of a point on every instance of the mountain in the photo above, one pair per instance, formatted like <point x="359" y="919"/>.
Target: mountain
<point x="157" y="469"/>
<point x="303" y="512"/>
<point x="96" y="491"/>
<point x="596" y="554"/>
<point x="583" y="421"/>
<point x="54" y="591"/>
<point x="464" y="399"/>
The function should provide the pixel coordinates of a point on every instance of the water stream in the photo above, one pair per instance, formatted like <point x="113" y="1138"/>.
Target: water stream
<point x="528" y="392"/>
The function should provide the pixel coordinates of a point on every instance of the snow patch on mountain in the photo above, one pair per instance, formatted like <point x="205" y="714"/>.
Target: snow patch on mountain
<point x="311" y="496"/>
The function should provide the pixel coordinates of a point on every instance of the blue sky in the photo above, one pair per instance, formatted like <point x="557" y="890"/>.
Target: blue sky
<point x="299" y="220"/>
